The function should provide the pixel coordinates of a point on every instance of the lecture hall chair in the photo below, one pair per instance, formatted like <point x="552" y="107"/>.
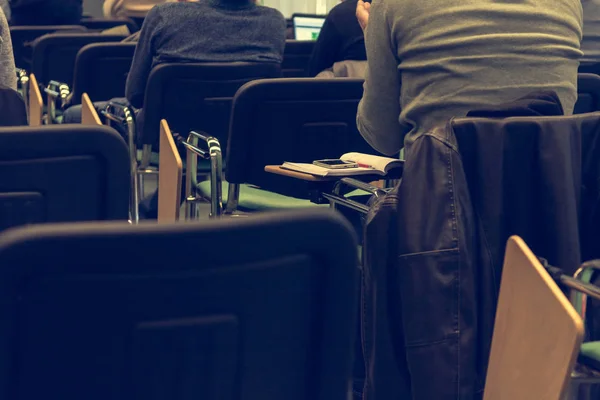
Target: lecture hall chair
<point x="274" y="121"/>
<point x="588" y="94"/>
<point x="54" y="54"/>
<point x="62" y="174"/>
<point x="101" y="71"/>
<point x="188" y="96"/>
<point x="526" y="361"/>
<point x="100" y="24"/>
<point x="181" y="315"/>
<point x="23" y="36"/>
<point x="296" y="56"/>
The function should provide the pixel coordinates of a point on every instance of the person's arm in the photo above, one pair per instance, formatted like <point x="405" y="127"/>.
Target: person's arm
<point x="141" y="66"/>
<point x="8" y="74"/>
<point x="326" y="49"/>
<point x="379" y="109"/>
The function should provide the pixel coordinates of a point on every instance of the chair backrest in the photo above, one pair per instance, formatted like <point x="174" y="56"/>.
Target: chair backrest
<point x="196" y="96"/>
<point x="296" y="57"/>
<point x="54" y="54"/>
<point x="36" y="103"/>
<point x="89" y="115"/>
<point x="298" y="120"/>
<point x="12" y="108"/>
<point x="170" y="177"/>
<point x="107" y="23"/>
<point x="111" y="311"/>
<point x="588" y="94"/>
<point x="101" y="70"/>
<point x="537" y="334"/>
<point x="62" y="173"/>
<point x="23" y="36"/>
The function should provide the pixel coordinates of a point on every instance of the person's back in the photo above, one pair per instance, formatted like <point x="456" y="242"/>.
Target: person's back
<point x="431" y="60"/>
<point x="341" y="39"/>
<point x="205" y="31"/>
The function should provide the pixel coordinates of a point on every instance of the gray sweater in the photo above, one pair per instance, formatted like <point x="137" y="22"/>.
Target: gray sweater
<point x="206" y="31"/>
<point x="431" y="60"/>
<point x="8" y="75"/>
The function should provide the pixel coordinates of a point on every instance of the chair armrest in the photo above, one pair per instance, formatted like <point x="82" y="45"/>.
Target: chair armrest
<point x="581" y="288"/>
<point x="124" y="114"/>
<point x="336" y="198"/>
<point x="215" y="155"/>
<point x="55" y="91"/>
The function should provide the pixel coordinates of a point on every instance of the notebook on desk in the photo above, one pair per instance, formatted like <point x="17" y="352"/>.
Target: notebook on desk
<point x="369" y="165"/>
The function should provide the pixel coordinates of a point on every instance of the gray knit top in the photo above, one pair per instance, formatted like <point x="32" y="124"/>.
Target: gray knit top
<point x="431" y="60"/>
<point x="8" y="76"/>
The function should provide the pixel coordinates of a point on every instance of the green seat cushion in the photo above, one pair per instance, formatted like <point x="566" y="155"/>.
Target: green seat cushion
<point x="255" y="199"/>
<point x="589" y="355"/>
<point x="203" y="165"/>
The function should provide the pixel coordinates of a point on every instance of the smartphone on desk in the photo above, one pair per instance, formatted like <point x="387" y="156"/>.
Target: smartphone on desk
<point x="335" y="163"/>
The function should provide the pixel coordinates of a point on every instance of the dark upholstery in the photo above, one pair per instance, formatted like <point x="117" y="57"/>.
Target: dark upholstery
<point x="298" y="120"/>
<point x="62" y="173"/>
<point x="196" y="96"/>
<point x="112" y="311"/>
<point x="101" y="71"/>
<point x="12" y="108"/>
<point x="54" y="54"/>
<point x="296" y="57"/>
<point x="588" y="94"/>
<point x="23" y="36"/>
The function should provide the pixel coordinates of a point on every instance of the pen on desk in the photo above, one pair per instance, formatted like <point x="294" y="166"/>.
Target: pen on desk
<point x="364" y="165"/>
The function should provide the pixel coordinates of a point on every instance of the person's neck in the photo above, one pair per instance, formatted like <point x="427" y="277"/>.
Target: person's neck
<point x="232" y="4"/>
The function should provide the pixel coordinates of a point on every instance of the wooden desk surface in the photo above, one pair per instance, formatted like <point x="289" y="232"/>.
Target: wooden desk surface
<point x="276" y="169"/>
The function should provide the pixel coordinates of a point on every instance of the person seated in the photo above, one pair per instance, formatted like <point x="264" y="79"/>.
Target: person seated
<point x="341" y="41"/>
<point x="46" y="12"/>
<point x="590" y="45"/>
<point x="8" y="73"/>
<point x="429" y="61"/>
<point x="134" y="9"/>
<point x="203" y="31"/>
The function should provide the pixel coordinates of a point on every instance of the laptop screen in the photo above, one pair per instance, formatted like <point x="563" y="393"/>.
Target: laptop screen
<point x="307" y="27"/>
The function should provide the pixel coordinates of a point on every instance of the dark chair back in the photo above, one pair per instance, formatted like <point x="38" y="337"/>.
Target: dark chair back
<point x="196" y="96"/>
<point x="296" y="57"/>
<point x="12" y="108"/>
<point x="101" y="71"/>
<point x="298" y="120"/>
<point x="588" y="94"/>
<point x="23" y="37"/>
<point x="54" y="54"/>
<point x="99" y="24"/>
<point x="111" y="311"/>
<point x="62" y="173"/>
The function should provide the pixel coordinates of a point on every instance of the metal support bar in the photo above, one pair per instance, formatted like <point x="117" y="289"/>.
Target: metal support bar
<point x="215" y="156"/>
<point x="336" y="198"/>
<point x="54" y="91"/>
<point x="128" y="119"/>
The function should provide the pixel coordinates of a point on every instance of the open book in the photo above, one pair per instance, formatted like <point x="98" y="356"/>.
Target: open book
<point x="369" y="164"/>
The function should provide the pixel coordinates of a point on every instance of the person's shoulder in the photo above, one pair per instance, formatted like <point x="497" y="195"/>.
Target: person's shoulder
<point x="271" y="12"/>
<point x="173" y="8"/>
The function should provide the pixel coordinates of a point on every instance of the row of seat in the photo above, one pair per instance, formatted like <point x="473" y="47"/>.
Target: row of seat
<point x="66" y="56"/>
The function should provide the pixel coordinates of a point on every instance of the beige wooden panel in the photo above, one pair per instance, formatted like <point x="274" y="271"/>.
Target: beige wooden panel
<point x="36" y="104"/>
<point x="170" y="174"/>
<point x="89" y="115"/>
<point x="537" y="334"/>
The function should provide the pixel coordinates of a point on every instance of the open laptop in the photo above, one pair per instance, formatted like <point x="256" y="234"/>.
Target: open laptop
<point x="307" y="26"/>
